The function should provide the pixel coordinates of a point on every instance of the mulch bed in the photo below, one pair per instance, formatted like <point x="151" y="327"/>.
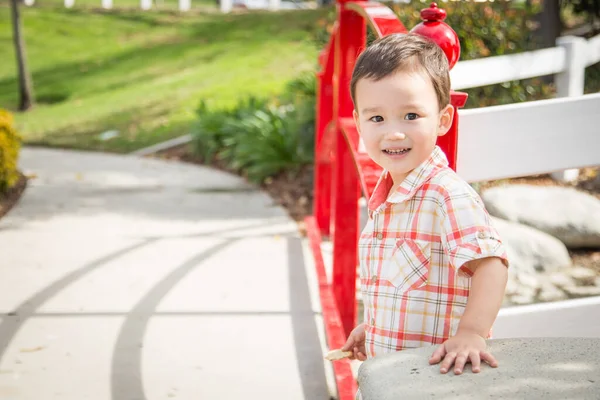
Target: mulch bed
<point x="10" y="198"/>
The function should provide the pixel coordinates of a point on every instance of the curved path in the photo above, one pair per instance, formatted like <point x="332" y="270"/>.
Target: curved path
<point x="126" y="278"/>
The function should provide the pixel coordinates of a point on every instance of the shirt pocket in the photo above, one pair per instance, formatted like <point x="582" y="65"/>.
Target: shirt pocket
<point x="407" y="268"/>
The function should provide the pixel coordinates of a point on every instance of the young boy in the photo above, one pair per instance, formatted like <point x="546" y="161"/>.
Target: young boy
<point x="432" y="267"/>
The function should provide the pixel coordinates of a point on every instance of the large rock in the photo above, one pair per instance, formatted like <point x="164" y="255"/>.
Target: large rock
<point x="530" y="252"/>
<point x="568" y="214"/>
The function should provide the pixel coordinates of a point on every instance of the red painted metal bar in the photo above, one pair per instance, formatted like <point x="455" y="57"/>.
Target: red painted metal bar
<point x="380" y="18"/>
<point x="368" y="171"/>
<point x="334" y="331"/>
<point x="322" y="186"/>
<point x="449" y="141"/>
<point x="344" y="228"/>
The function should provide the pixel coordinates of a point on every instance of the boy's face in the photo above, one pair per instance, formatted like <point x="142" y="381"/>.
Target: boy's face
<point x="399" y="120"/>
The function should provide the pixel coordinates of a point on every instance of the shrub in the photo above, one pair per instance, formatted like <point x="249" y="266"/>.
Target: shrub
<point x="213" y="126"/>
<point x="260" y="138"/>
<point x="10" y="143"/>
<point x="272" y="142"/>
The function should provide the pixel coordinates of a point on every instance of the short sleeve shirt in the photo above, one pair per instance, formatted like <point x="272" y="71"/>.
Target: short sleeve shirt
<point x="413" y="251"/>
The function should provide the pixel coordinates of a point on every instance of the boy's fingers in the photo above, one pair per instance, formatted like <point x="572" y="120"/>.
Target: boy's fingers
<point x="349" y="344"/>
<point x="489" y="358"/>
<point x="361" y="356"/>
<point x="447" y="363"/>
<point x="437" y="355"/>
<point x="475" y="362"/>
<point x="459" y="363"/>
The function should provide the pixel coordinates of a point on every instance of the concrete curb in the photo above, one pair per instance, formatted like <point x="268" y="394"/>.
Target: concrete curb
<point x="168" y="144"/>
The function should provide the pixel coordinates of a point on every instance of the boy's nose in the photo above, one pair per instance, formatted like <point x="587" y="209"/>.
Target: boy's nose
<point x="397" y="136"/>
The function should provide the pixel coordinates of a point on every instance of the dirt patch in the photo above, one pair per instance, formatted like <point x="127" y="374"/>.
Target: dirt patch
<point x="10" y="198"/>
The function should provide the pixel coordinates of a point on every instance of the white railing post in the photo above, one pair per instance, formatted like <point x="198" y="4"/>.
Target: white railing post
<point x="69" y="3"/>
<point x="226" y="5"/>
<point x="146" y="4"/>
<point x="107" y="4"/>
<point x="185" y="5"/>
<point x="28" y="3"/>
<point x="570" y="83"/>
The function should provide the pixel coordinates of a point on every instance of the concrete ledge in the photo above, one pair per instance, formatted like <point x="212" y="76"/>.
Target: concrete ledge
<point x="536" y="368"/>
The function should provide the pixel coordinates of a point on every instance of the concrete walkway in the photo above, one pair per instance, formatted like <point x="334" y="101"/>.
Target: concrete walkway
<point x="129" y="279"/>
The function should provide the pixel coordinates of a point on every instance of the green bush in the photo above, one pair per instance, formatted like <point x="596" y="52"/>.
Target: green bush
<point x="260" y="138"/>
<point x="10" y="143"/>
<point x="272" y="143"/>
<point x="214" y="126"/>
<point x="592" y="78"/>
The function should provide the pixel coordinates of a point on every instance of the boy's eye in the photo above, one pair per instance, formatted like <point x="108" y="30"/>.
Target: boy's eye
<point x="377" y="118"/>
<point x="411" y="116"/>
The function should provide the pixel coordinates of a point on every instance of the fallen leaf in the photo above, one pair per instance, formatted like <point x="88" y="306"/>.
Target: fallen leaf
<point x="33" y="349"/>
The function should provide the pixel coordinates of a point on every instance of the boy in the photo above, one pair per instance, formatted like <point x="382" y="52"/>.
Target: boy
<point x="433" y="269"/>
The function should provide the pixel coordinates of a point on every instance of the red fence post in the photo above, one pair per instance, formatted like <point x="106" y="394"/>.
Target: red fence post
<point x="322" y="185"/>
<point x="350" y="41"/>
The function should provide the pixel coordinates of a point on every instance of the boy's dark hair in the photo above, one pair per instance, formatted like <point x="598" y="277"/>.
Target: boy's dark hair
<point x="406" y="52"/>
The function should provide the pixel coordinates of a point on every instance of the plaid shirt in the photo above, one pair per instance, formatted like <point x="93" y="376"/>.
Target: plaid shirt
<point x="412" y="253"/>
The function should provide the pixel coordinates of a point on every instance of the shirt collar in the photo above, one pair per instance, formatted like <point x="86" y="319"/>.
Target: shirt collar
<point x="413" y="181"/>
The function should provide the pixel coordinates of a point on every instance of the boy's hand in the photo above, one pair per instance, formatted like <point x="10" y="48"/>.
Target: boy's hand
<point x="356" y="343"/>
<point x="459" y="349"/>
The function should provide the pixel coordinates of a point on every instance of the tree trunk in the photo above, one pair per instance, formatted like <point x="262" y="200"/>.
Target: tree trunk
<point x="25" y="84"/>
<point x="551" y="25"/>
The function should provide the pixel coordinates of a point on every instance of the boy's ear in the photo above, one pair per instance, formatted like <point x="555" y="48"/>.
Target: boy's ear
<point x="446" y="118"/>
<point x="356" y="120"/>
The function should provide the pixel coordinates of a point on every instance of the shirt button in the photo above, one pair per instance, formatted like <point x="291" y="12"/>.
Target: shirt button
<point x="372" y="321"/>
<point x="374" y="278"/>
<point x="379" y="236"/>
<point x="481" y="235"/>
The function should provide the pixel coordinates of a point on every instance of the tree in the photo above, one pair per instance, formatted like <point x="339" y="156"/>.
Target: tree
<point x="550" y="22"/>
<point x="26" y="99"/>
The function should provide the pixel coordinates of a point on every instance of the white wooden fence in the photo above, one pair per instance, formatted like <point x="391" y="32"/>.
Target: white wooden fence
<point x="533" y="137"/>
<point x="529" y="138"/>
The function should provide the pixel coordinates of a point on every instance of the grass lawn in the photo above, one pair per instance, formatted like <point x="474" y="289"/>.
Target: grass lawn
<point x="144" y="73"/>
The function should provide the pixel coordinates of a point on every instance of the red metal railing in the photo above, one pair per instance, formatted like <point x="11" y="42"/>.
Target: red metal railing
<point x="343" y="171"/>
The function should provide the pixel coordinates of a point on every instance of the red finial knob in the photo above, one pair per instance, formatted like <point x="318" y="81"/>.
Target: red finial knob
<point x="440" y="32"/>
<point x="433" y="13"/>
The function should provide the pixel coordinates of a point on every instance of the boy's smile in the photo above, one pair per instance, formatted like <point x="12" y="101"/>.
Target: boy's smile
<point x="399" y="120"/>
<point x="396" y="151"/>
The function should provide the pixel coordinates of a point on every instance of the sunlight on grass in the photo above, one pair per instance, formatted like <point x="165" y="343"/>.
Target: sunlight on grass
<point x="144" y="73"/>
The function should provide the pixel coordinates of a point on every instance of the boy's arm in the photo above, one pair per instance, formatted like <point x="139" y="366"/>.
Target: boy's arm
<point x="473" y="246"/>
<point x="485" y="298"/>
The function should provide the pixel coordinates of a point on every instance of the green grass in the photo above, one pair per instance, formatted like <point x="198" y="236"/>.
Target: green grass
<point x="144" y="73"/>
